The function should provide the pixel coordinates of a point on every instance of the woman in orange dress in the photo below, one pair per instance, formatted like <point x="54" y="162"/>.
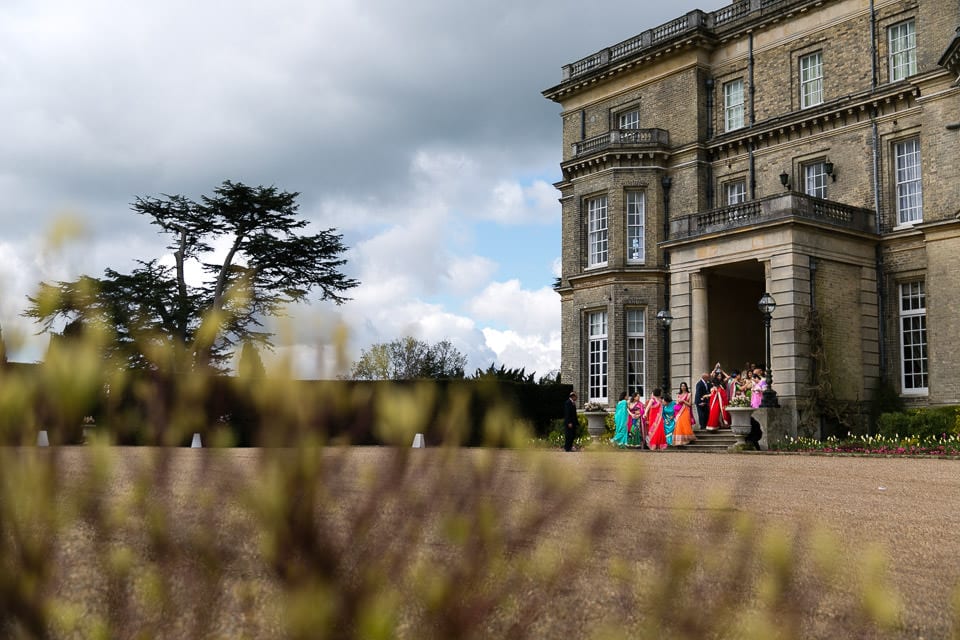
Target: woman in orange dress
<point x="683" y="418"/>
<point x="653" y="413"/>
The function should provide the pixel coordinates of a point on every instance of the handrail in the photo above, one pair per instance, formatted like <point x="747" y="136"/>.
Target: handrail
<point x="778" y="207"/>
<point x="725" y="17"/>
<point x="621" y="138"/>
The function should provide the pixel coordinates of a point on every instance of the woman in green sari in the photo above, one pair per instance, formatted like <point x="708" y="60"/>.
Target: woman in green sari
<point x="635" y="434"/>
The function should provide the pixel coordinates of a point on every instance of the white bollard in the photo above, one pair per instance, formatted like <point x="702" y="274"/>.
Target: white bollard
<point x="418" y="442"/>
<point x="196" y="444"/>
<point x="42" y="439"/>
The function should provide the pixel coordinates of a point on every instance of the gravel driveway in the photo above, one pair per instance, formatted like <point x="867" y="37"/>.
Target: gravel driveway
<point x="909" y="507"/>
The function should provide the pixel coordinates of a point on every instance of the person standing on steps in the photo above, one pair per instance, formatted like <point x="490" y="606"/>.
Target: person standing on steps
<point x="570" y="422"/>
<point x="701" y="400"/>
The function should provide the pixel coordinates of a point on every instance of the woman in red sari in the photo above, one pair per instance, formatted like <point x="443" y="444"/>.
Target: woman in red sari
<point x="653" y="413"/>
<point x="718" y="417"/>
<point x="683" y="418"/>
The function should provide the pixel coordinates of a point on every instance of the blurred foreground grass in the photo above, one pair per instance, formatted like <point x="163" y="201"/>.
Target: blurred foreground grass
<point x="322" y="540"/>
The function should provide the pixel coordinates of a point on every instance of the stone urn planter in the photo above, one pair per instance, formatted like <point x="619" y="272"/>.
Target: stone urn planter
<point x="596" y="423"/>
<point x="740" y="425"/>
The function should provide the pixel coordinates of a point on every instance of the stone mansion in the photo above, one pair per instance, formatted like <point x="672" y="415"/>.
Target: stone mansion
<point x="805" y="148"/>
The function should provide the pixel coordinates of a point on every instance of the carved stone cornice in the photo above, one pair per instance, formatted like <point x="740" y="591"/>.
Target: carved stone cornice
<point x="831" y="115"/>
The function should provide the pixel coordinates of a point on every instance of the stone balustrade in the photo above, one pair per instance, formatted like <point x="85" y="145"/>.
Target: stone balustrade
<point x="619" y="138"/>
<point x="719" y="21"/>
<point x="778" y="207"/>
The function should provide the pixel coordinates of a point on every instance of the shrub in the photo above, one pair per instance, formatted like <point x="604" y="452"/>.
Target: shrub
<point x="922" y="423"/>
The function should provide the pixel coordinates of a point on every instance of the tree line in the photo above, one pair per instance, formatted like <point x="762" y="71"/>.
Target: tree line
<point x="158" y="319"/>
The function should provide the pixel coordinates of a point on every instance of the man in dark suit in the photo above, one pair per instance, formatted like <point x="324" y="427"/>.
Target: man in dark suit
<point x="701" y="399"/>
<point x="570" y="421"/>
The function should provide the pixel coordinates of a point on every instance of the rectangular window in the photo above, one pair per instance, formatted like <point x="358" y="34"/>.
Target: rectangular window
<point x="909" y="189"/>
<point x="815" y="179"/>
<point x="636" y="218"/>
<point x="913" y="338"/>
<point x="597" y="331"/>
<point x="636" y="366"/>
<point x="733" y="104"/>
<point x="630" y="120"/>
<point x="736" y="192"/>
<point x="811" y="80"/>
<point x="903" y="50"/>
<point x="597" y="231"/>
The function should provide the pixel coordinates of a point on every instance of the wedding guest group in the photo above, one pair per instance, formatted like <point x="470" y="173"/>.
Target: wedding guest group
<point x="716" y="390"/>
<point x="661" y="422"/>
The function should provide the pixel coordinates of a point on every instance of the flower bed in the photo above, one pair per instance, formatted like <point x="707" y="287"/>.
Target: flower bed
<point x="937" y="446"/>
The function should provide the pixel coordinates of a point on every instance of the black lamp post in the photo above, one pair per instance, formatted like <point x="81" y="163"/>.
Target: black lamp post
<point x="665" y="319"/>
<point x="769" y="398"/>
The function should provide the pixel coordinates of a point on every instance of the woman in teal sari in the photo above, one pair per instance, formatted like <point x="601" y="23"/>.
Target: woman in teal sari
<point x="620" y="421"/>
<point x="669" y="411"/>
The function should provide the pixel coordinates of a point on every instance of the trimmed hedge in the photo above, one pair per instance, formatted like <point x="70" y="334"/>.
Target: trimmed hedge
<point x="923" y="423"/>
<point x="154" y="408"/>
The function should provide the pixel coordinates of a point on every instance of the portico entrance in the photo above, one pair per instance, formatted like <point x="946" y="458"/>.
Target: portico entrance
<point x="807" y="253"/>
<point x="735" y="332"/>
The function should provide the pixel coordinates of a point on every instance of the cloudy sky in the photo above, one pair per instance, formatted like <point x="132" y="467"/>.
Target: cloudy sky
<point x="416" y="128"/>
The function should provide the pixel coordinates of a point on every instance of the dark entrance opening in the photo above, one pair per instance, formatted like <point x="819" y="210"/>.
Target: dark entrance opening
<point x="736" y="332"/>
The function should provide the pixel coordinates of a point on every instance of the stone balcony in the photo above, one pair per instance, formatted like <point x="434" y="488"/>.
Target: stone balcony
<point x="785" y="206"/>
<point x="622" y="139"/>
<point x="718" y="23"/>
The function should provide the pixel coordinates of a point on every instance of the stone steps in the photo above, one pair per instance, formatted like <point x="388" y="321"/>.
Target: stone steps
<point x="706" y="441"/>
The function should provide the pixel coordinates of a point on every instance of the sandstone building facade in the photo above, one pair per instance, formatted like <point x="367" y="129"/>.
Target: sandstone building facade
<point x="805" y="148"/>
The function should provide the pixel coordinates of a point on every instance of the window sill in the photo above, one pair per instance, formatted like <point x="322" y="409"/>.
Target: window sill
<point x="907" y="226"/>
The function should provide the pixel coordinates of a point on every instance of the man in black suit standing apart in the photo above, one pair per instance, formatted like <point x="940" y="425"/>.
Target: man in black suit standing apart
<point x="570" y="422"/>
<point x="701" y="396"/>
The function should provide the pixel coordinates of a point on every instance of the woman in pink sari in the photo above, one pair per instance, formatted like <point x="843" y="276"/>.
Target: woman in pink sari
<point x="759" y="384"/>
<point x="653" y="413"/>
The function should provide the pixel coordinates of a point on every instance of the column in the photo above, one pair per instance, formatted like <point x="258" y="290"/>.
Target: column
<point x="699" y="323"/>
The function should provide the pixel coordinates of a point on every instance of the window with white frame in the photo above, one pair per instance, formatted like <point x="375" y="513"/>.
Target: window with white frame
<point x="597" y="357"/>
<point x="811" y="80"/>
<point x="902" y="39"/>
<point x="736" y="192"/>
<point x="636" y="365"/>
<point x="815" y="179"/>
<point x="597" y="231"/>
<point x="909" y="189"/>
<point x="636" y="220"/>
<point x="630" y="119"/>
<point x="913" y="338"/>
<point x="733" y="104"/>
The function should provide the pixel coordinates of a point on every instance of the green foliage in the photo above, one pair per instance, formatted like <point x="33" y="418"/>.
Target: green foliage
<point x="943" y="445"/>
<point x="821" y="409"/>
<point x="557" y="433"/>
<point x="923" y="423"/>
<point x="409" y="359"/>
<point x="160" y="321"/>
<point x="885" y="399"/>
<point x="250" y="364"/>
<point x="511" y="375"/>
